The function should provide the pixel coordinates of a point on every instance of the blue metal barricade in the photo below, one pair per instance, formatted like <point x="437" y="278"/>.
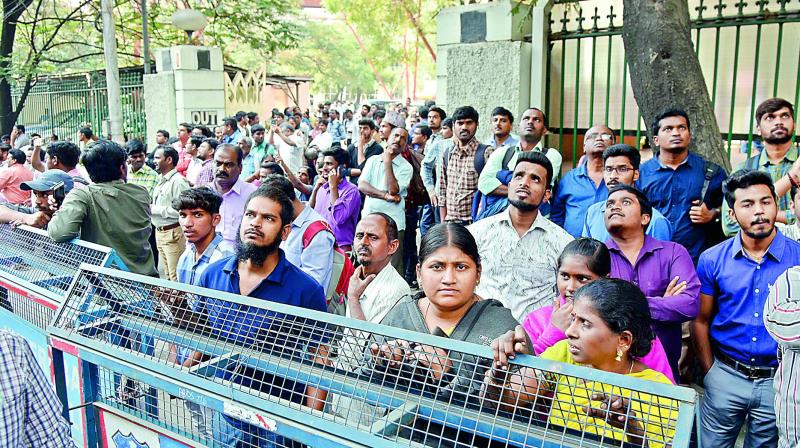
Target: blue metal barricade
<point x="35" y="274"/>
<point x="227" y="368"/>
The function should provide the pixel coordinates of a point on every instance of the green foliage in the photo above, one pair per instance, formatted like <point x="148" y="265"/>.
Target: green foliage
<point x="332" y="56"/>
<point x="65" y="36"/>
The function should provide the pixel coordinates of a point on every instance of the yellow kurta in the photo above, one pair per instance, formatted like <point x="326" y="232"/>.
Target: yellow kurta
<point x="656" y="414"/>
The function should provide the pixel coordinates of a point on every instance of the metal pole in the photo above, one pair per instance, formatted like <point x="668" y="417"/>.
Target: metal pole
<point x="145" y="37"/>
<point x="112" y="71"/>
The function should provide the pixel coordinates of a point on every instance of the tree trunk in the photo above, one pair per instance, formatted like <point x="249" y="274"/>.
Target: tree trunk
<point x="12" y="10"/>
<point x="665" y="71"/>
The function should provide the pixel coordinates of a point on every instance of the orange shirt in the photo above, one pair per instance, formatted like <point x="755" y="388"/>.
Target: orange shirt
<point x="10" y="180"/>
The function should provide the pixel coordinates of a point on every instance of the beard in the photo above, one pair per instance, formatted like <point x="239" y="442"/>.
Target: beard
<point x="759" y="235"/>
<point x="253" y="252"/>
<point x="523" y="206"/>
<point x="778" y="140"/>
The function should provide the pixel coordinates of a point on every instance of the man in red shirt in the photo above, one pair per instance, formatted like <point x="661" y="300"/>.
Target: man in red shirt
<point x="12" y="176"/>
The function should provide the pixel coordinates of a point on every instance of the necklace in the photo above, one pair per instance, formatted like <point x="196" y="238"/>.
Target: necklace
<point x="632" y="364"/>
<point x="753" y="257"/>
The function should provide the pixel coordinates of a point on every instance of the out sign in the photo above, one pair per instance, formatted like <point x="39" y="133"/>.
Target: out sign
<point x="206" y="117"/>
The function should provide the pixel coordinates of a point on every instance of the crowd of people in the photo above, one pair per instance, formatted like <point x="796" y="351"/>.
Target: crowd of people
<point x="669" y="269"/>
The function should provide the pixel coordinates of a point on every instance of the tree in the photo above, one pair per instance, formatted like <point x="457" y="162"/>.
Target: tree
<point x="665" y="71"/>
<point x="45" y="36"/>
<point x="333" y="58"/>
<point x="39" y="35"/>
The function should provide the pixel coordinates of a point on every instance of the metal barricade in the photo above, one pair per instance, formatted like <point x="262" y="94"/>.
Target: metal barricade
<point x="35" y="274"/>
<point x="227" y="367"/>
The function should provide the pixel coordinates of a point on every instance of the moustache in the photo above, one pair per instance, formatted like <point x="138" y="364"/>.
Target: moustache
<point x="221" y="175"/>
<point x="759" y="221"/>
<point x="253" y="232"/>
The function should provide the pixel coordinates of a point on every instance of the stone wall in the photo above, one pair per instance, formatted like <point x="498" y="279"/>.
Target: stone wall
<point x="501" y="79"/>
<point x="482" y="59"/>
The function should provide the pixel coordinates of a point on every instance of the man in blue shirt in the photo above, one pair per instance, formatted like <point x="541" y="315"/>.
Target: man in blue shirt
<point x="584" y="185"/>
<point x="685" y="187"/>
<point x="198" y="215"/>
<point x="733" y="346"/>
<point x="260" y="270"/>
<point x="336" y="128"/>
<point x="232" y="133"/>
<point x="621" y="167"/>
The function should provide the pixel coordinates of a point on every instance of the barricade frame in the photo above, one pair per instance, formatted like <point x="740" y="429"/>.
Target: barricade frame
<point x="178" y="381"/>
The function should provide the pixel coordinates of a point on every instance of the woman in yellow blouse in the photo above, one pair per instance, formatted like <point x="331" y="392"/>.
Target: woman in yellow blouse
<point x="609" y="331"/>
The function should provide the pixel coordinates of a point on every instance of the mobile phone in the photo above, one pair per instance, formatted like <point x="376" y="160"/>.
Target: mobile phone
<point x="58" y="193"/>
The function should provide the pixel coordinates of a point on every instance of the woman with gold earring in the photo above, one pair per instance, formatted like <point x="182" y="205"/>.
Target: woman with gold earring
<point x="609" y="331"/>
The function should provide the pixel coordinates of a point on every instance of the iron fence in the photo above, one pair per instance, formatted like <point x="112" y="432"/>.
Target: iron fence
<point x="747" y="52"/>
<point x="276" y="375"/>
<point x="61" y="106"/>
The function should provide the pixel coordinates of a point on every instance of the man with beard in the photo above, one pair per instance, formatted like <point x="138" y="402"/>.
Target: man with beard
<point x="682" y="184"/>
<point x="663" y="270"/>
<point x="461" y="166"/>
<point x="621" y="167"/>
<point x="260" y="270"/>
<point x="494" y="179"/>
<point x="775" y="120"/>
<point x="732" y="344"/>
<point x="233" y="189"/>
<point x="519" y="247"/>
<point x="584" y="185"/>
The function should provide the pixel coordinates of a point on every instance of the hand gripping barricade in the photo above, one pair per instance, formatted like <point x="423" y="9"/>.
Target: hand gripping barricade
<point x="230" y="369"/>
<point x="35" y="274"/>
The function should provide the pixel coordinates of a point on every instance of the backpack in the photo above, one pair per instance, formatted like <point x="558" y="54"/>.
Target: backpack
<point x="714" y="233"/>
<point x="480" y="157"/>
<point x="417" y="194"/>
<point x="342" y="269"/>
<point x="484" y="206"/>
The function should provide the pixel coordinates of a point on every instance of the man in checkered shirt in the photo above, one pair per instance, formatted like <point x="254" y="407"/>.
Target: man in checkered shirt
<point x="30" y="412"/>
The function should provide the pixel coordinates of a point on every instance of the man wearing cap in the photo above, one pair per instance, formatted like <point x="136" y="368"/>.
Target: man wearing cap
<point x="51" y="183"/>
<point x="391" y="121"/>
<point x="169" y="237"/>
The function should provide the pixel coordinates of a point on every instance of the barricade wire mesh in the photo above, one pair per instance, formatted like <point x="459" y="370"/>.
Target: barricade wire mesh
<point x="30" y="255"/>
<point x="398" y="387"/>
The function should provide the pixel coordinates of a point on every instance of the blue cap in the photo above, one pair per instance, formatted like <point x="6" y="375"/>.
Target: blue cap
<point x="47" y="180"/>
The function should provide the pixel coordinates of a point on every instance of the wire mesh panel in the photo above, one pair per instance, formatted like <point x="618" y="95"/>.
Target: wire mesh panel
<point x="42" y="269"/>
<point x="227" y="369"/>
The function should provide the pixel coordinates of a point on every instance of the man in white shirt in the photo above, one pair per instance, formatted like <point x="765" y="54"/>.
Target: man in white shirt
<point x="519" y="247"/>
<point x="375" y="287"/>
<point x="384" y="181"/>
<point x="290" y="146"/>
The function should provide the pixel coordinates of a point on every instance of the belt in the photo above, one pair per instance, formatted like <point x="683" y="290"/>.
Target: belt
<point x="168" y="227"/>
<point x="751" y="372"/>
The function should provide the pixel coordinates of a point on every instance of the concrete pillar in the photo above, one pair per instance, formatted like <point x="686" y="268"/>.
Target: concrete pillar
<point x="483" y="60"/>
<point x="188" y="86"/>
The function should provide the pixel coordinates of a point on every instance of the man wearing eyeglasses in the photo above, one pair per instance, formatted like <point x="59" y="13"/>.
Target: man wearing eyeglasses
<point x="621" y="167"/>
<point x="584" y="185"/>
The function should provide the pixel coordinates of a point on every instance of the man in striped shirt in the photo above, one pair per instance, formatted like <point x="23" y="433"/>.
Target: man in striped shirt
<point x="782" y="319"/>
